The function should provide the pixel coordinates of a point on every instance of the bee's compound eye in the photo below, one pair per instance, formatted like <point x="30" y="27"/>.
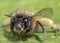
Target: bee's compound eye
<point x="12" y="20"/>
<point x="25" y="21"/>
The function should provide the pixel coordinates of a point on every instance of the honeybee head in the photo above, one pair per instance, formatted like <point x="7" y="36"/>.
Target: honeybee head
<point x="20" y="22"/>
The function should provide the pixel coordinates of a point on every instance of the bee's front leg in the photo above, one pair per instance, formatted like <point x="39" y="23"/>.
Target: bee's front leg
<point x="43" y="29"/>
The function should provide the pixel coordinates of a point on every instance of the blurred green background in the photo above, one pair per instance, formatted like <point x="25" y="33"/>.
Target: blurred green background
<point x="7" y="6"/>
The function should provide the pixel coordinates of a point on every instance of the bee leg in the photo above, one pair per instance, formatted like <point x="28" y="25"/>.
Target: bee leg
<point x="43" y="29"/>
<point x="36" y="28"/>
<point x="55" y="31"/>
<point x="32" y="28"/>
<point x="28" y="30"/>
<point x="16" y="35"/>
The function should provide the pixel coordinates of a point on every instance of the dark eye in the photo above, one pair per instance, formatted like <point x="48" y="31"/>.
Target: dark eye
<point x="12" y="23"/>
<point x="25" y="21"/>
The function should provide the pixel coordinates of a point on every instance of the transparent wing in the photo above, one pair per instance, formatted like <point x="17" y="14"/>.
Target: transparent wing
<point x="45" y="12"/>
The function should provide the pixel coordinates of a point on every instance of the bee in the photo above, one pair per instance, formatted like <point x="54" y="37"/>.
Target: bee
<point x="25" y="22"/>
<point x="22" y="23"/>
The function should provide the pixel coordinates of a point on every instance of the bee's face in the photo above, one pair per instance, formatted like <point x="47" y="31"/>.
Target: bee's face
<point x="21" y="23"/>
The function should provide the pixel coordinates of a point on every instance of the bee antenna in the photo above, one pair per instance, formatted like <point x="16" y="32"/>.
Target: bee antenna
<point x="8" y="15"/>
